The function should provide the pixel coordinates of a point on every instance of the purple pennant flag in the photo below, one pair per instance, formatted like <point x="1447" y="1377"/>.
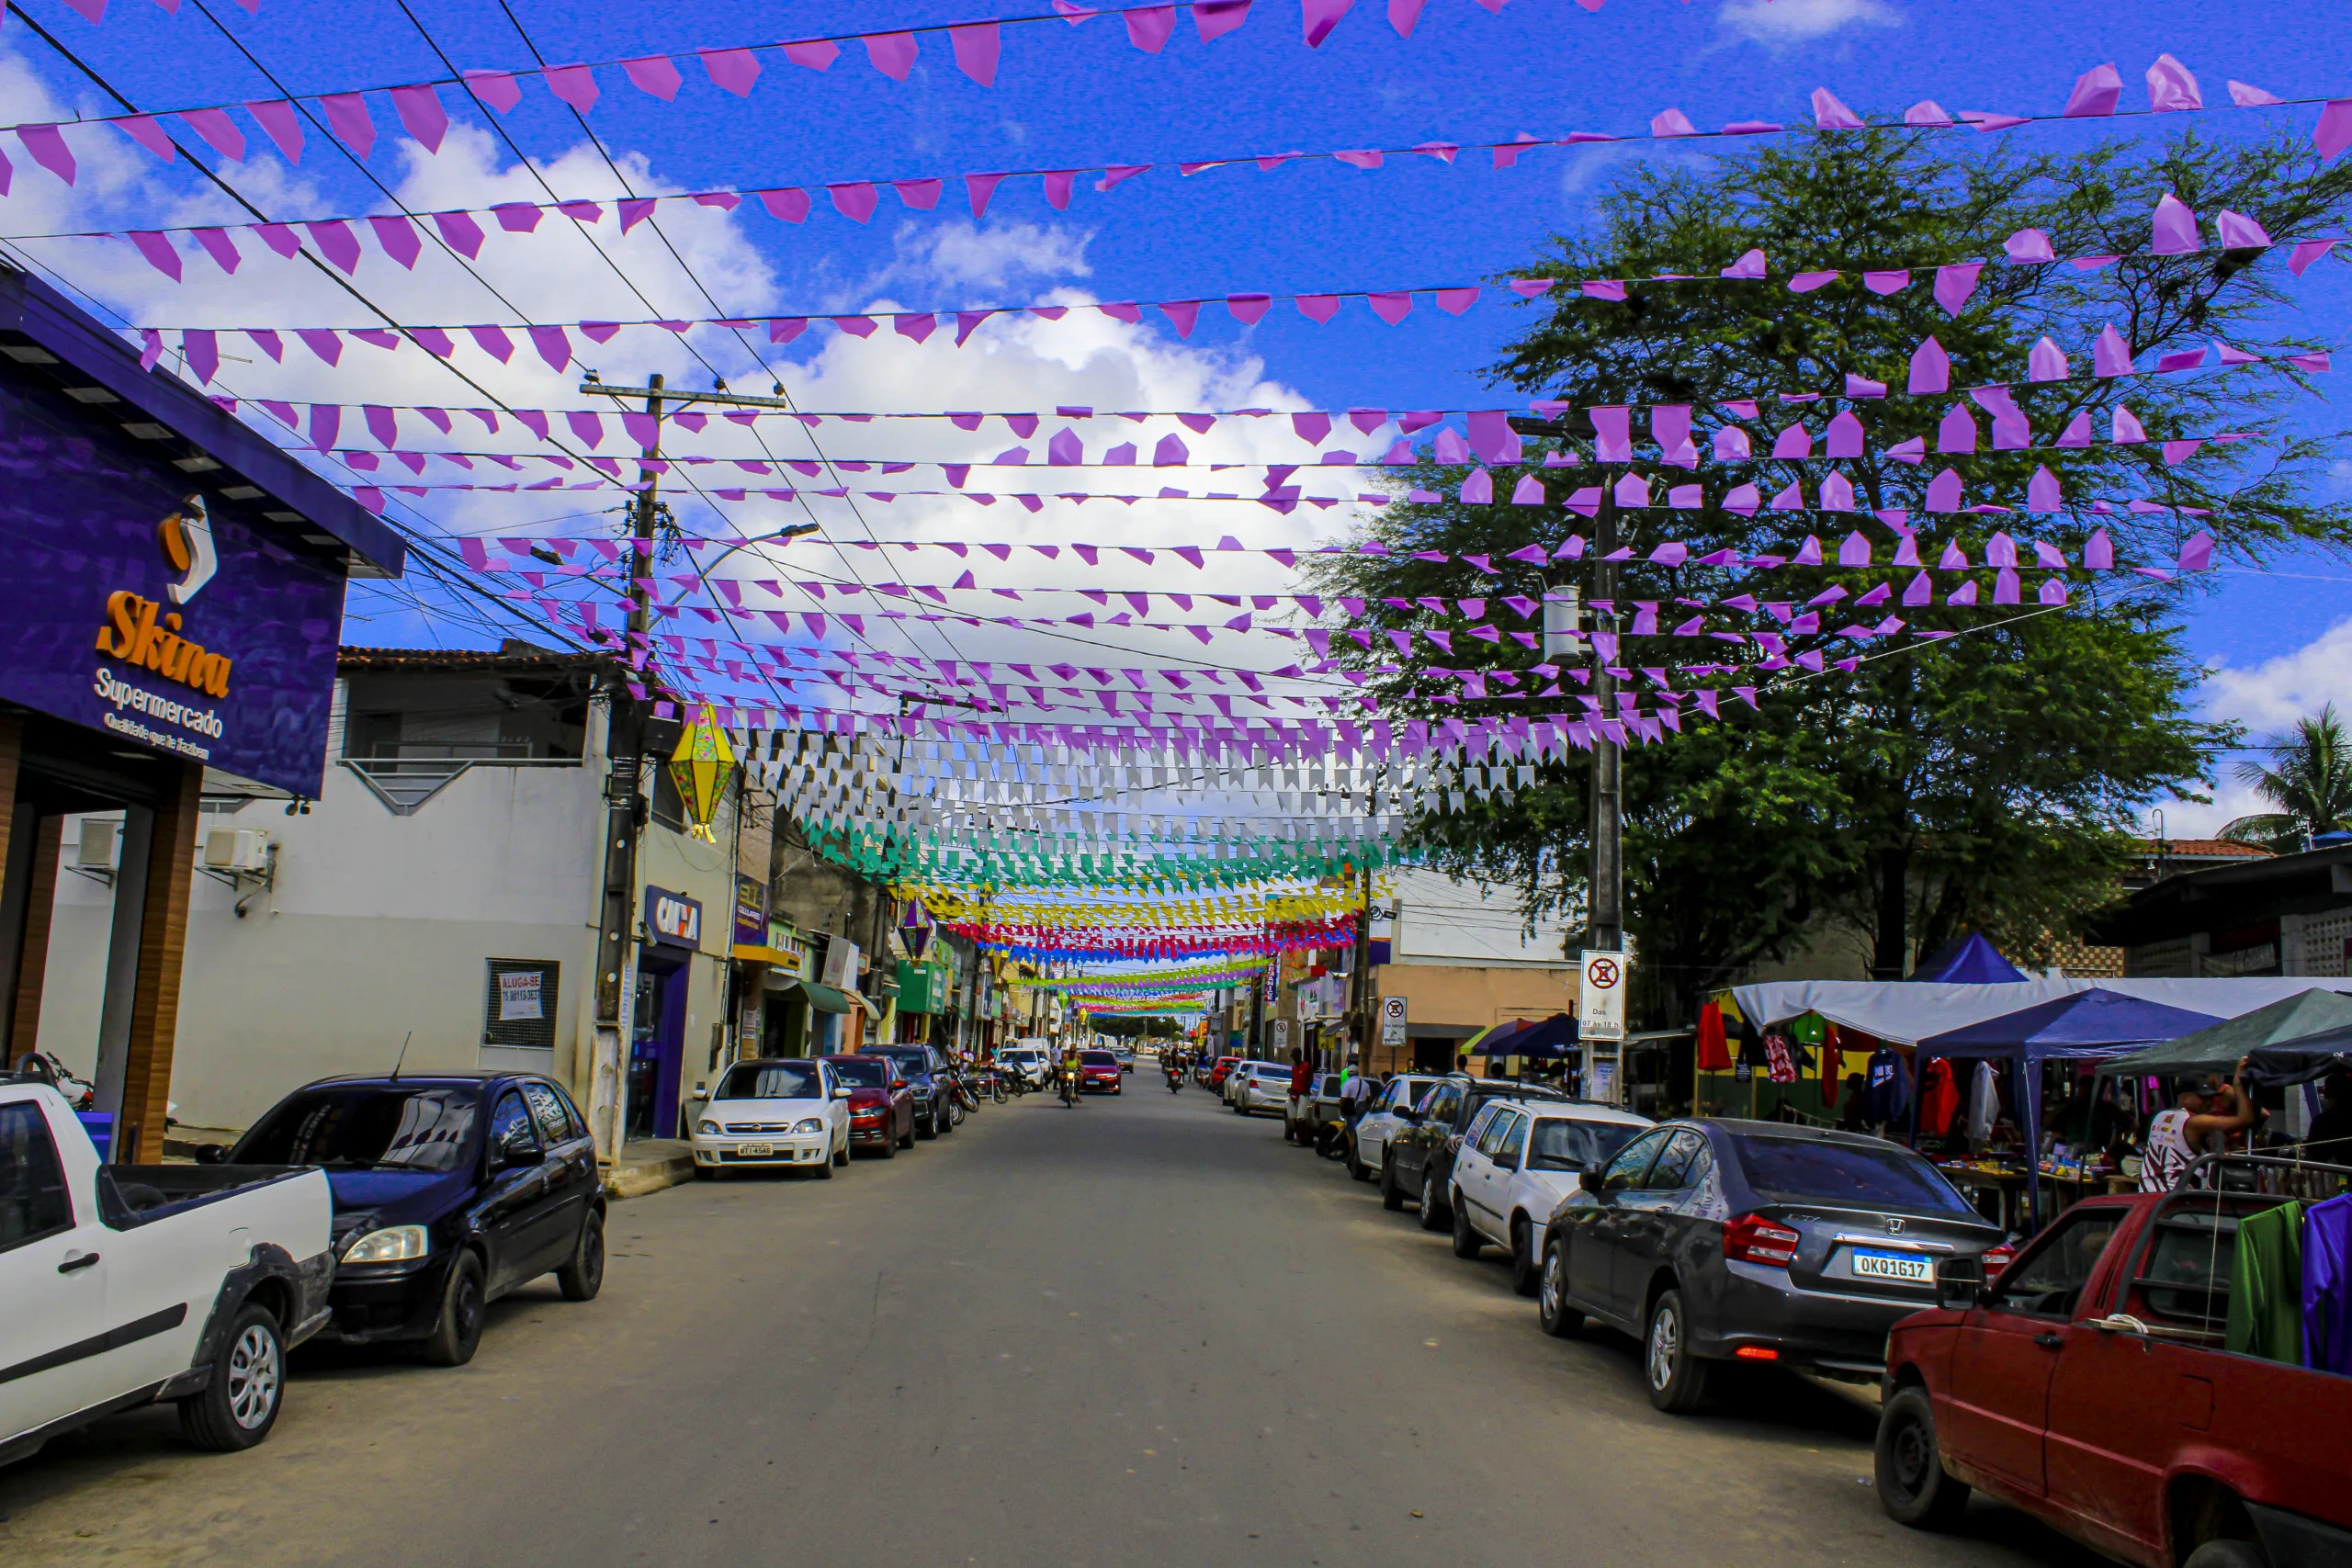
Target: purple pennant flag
<point x="977" y="188"/>
<point x="2240" y="233"/>
<point x="1171" y="453"/>
<point x="160" y="253"/>
<point x="1057" y="189"/>
<point x="1830" y="113"/>
<point x="220" y="248"/>
<point x="1392" y="306"/>
<point x="47" y="145"/>
<point x="145" y="130"/>
<point x="1454" y="301"/>
<point x="553" y="346"/>
<point x="218" y="131"/>
<point x="655" y="74"/>
<point x="966" y="324"/>
<point x="1954" y="285"/>
<point x="2307" y="251"/>
<point x="2011" y="432"/>
<point x="2043" y="493"/>
<point x="1183" y="313"/>
<point x="854" y="199"/>
<point x="2111" y="356"/>
<point x="2334" y="132"/>
<point x="326" y="419"/>
<point x="1148" y="27"/>
<point x="574" y="85"/>
<point x="1248" y="308"/>
<point x="2046" y="362"/>
<point x="1930" y="368"/>
<point x="493" y="340"/>
<point x="396" y="236"/>
<point x="1215" y="18"/>
<point x="856" y="326"/>
<point x="2171" y="87"/>
<point x="382" y="423"/>
<point x="1318" y="18"/>
<point x="1751" y="265"/>
<point x="201" y="348"/>
<point x="916" y="324"/>
<point x="422" y="114"/>
<point x="1403" y="15"/>
<point x="438" y="344"/>
<point x="586" y="426"/>
<point x="460" y="232"/>
<point x="1887" y="282"/>
<point x="816" y="55"/>
<point x="347" y="117"/>
<point x="337" y="243"/>
<point x="517" y="217"/>
<point x="2028" y="245"/>
<point x="731" y="69"/>
<point x="277" y="121"/>
<point x="2097" y="92"/>
<point x="1957" y="432"/>
<point x="1126" y="311"/>
<point x="270" y="343"/>
<point x="923" y="196"/>
<point x="2174" y="228"/>
<point x="976" y="49"/>
<point x="893" y="54"/>
<point x="789" y="205"/>
<point x="1672" y="122"/>
<point x="1612" y="431"/>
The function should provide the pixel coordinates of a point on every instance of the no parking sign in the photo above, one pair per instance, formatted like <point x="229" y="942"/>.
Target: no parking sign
<point x="1601" y="1008"/>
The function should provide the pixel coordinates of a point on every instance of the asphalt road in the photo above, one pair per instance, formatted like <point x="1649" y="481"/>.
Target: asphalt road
<point x="1142" y="1331"/>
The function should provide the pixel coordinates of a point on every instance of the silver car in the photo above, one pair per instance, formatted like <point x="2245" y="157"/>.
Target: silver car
<point x="1258" y="1086"/>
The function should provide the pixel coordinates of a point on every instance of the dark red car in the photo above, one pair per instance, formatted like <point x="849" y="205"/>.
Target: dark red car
<point x="881" y="1103"/>
<point x="1098" y="1072"/>
<point x="1225" y="1065"/>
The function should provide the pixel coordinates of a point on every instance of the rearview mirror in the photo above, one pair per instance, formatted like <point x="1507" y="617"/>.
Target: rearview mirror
<point x="1961" y="1285"/>
<point x="211" y="1154"/>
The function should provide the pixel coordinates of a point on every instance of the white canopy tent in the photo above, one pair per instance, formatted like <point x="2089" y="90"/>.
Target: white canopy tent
<point x="1906" y="1011"/>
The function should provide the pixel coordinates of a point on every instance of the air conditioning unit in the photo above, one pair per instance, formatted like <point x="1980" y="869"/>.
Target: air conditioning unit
<point x="236" y="850"/>
<point x="101" y="839"/>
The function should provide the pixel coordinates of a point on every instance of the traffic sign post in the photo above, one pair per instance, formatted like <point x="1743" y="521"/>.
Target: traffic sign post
<point x="1392" y="1020"/>
<point x="1601" y="1022"/>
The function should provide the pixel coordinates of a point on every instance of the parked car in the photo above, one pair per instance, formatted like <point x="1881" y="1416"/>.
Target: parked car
<point x="1319" y="1108"/>
<point x="1258" y="1086"/>
<point x="774" y="1111"/>
<point x="136" y="1284"/>
<point x="1383" y="1121"/>
<point x="1214" y="1073"/>
<point x="1420" y="1157"/>
<point x="1098" y="1073"/>
<point x="881" y="1103"/>
<point x="450" y="1191"/>
<point x="1755" y="1241"/>
<point x="1516" y="1164"/>
<point x="1125" y="1054"/>
<point x="933" y="1115"/>
<point x="1026" y="1061"/>
<point x="2089" y="1385"/>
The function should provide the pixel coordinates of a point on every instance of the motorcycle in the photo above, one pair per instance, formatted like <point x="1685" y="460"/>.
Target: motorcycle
<point x="961" y="1099"/>
<point x="1069" y="1088"/>
<point x="42" y="1067"/>
<point x="993" y="1082"/>
<point x="1175" y="1079"/>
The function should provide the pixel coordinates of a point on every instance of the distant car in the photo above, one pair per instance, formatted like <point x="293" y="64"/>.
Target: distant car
<point x="1420" y="1158"/>
<point x="933" y="1115"/>
<point x="1214" y="1073"/>
<point x="1126" y="1057"/>
<point x="1758" y="1241"/>
<point x="1519" y="1162"/>
<point x="1259" y="1086"/>
<point x="450" y="1191"/>
<point x="772" y="1111"/>
<point x="1383" y="1121"/>
<point x="1098" y="1073"/>
<point x="881" y="1103"/>
<point x="1027" y="1061"/>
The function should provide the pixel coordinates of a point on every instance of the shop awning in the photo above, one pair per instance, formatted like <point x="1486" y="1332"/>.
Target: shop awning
<point x="1906" y="1011"/>
<point x="750" y="952"/>
<point x="824" y="999"/>
<point x="2218" y="1049"/>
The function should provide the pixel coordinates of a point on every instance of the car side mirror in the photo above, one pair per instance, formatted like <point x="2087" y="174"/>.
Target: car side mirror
<point x="1589" y="1178"/>
<point x="841" y="1093"/>
<point x="517" y="1153"/>
<point x="212" y="1153"/>
<point x="1961" y="1285"/>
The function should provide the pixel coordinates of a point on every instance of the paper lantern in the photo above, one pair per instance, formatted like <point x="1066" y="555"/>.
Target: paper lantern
<point x="702" y="767"/>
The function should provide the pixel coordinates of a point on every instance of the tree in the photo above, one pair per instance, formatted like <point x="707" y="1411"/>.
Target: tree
<point x="2311" y="785"/>
<point x="1982" y="781"/>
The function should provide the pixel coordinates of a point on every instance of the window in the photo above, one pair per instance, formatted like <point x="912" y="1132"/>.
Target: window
<point x="510" y="1122"/>
<point x="1681" y="1165"/>
<point x="1442" y="1102"/>
<point x="1566" y="1144"/>
<point x="1813" y="1170"/>
<point x="1476" y="1136"/>
<point x="772" y="1080"/>
<point x="2049" y="1280"/>
<point x="1513" y="1142"/>
<point x="32" y="1184"/>
<point x="871" y="1074"/>
<point x="547" y="1111"/>
<point x="519" y="1008"/>
<point x="1631" y="1162"/>
<point x="365" y="1128"/>
<point x="2191" y="1255"/>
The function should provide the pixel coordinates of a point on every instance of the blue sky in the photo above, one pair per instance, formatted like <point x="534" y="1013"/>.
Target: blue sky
<point x="1073" y="96"/>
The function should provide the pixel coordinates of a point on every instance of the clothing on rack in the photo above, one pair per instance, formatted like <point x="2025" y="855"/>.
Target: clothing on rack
<point x="1780" y="1063"/>
<point x="1751" y="1048"/>
<point x="1714" y="1050"/>
<point x="1983" y="1104"/>
<point x="1833" y="1065"/>
<point x="1889" y="1085"/>
<point x="1938" y="1099"/>
<point x="2266" y="1287"/>
<point x="2328" y="1286"/>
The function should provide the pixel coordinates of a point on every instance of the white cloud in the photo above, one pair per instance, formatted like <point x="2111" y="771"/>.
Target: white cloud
<point x="995" y="257"/>
<point x="1780" y="23"/>
<point x="2267" y="698"/>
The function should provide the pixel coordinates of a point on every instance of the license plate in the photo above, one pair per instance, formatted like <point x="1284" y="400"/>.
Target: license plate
<point x="1909" y="1267"/>
<point x="755" y="1151"/>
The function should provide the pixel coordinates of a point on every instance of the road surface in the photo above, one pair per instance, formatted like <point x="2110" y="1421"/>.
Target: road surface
<point x="1144" y="1331"/>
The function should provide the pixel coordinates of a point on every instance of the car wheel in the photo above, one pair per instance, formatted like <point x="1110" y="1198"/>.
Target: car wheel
<point x="1524" y="1264"/>
<point x="1432" y="1212"/>
<point x="840" y="1156"/>
<point x="905" y="1140"/>
<point x="1357" y="1169"/>
<point x="825" y="1168"/>
<point x="1560" y="1320"/>
<point x="1913" y="1486"/>
<point x="926" y="1126"/>
<point x="1468" y="1242"/>
<point x="581" y="1278"/>
<point x="239" y="1406"/>
<point x="457" y="1333"/>
<point x="1677" y="1380"/>
<point x="1392" y="1197"/>
<point x="2223" y="1555"/>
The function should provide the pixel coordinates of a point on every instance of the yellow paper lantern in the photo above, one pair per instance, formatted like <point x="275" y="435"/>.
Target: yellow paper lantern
<point x="702" y="767"/>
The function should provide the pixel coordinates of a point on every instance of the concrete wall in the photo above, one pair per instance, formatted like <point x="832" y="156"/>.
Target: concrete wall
<point x="1478" y="996"/>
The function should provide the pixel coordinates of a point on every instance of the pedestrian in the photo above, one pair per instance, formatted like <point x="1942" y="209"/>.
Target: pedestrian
<point x="1302" y="1085"/>
<point x="2201" y="1122"/>
<point x="2330" y="1138"/>
<point x="1355" y="1092"/>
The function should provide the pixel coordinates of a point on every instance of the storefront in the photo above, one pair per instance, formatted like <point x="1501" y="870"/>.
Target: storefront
<point x="172" y="604"/>
<point x="658" y="1030"/>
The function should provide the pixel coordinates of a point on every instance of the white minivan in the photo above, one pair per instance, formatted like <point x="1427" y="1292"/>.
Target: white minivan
<point x="1520" y="1160"/>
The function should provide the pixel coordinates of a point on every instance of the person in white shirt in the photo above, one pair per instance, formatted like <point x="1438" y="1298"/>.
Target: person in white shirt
<point x="2200" y="1123"/>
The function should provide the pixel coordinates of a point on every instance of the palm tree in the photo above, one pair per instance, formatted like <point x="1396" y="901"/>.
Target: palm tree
<point x="2311" y="785"/>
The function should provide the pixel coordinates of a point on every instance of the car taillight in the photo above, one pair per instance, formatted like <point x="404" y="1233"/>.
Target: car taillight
<point x="1998" y="1258"/>
<point x="1754" y="1239"/>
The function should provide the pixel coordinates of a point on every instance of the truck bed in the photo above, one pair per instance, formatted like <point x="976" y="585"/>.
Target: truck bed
<point x="146" y="1192"/>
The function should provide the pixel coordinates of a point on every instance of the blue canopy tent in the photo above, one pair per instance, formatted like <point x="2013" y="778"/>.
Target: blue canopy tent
<point x="1496" y="1041"/>
<point x="2087" y="1025"/>
<point x="1970" y="961"/>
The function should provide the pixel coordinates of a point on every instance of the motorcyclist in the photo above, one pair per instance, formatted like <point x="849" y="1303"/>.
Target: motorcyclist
<point x="1069" y="1077"/>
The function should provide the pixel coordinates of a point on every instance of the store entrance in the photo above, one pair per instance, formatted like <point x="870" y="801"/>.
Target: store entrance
<point x="656" y="1048"/>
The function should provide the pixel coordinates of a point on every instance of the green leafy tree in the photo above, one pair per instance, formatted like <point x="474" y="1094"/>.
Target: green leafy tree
<point x="1914" y="788"/>
<point x="2310" y="782"/>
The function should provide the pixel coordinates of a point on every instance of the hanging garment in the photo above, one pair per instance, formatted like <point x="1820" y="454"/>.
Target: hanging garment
<point x="1833" y="1065"/>
<point x="1809" y="1029"/>
<point x="2328" y="1286"/>
<point x="1938" y="1099"/>
<point x="2266" y="1287"/>
<point x="1780" y="1067"/>
<point x="1983" y="1104"/>
<point x="1751" y="1048"/>
<point x="1714" y="1052"/>
<point x="1889" y="1083"/>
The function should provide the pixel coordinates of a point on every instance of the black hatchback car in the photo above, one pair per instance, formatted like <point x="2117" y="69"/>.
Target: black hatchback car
<point x="1419" y="1161"/>
<point x="450" y="1191"/>
<point x="1753" y="1241"/>
<point x="934" y="1117"/>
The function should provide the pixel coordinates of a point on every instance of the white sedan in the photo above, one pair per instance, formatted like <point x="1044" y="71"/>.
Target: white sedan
<point x="1519" y="1161"/>
<point x="1383" y="1121"/>
<point x="776" y="1112"/>
<point x="1258" y="1086"/>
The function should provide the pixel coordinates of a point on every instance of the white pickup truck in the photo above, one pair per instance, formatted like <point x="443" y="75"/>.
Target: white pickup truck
<point x="124" y="1285"/>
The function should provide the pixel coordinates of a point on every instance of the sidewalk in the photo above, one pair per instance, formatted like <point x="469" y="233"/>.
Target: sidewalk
<point x="649" y="1165"/>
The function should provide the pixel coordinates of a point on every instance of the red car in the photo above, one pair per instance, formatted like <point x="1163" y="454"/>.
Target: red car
<point x="1225" y="1065"/>
<point x="1098" y="1073"/>
<point x="881" y="1103"/>
<point x="2088" y="1386"/>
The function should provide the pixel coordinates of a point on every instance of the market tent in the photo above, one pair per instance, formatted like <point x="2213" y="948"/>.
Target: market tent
<point x="2089" y="1024"/>
<point x="2302" y="1060"/>
<point x="1906" y="1011"/>
<point x="2219" y="1048"/>
<point x="1494" y="1041"/>
<point x="1969" y="961"/>
<point x="1546" y="1038"/>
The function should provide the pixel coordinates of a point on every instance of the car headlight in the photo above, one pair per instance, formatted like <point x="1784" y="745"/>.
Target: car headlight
<point x="705" y="1126"/>
<point x="394" y="1243"/>
<point x="810" y="1124"/>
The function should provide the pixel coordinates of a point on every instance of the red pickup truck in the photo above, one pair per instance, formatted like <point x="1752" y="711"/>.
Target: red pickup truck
<point x="2088" y="1386"/>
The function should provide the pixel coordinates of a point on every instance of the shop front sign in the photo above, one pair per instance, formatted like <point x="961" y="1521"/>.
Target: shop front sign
<point x="751" y="911"/>
<point x="672" y="918"/>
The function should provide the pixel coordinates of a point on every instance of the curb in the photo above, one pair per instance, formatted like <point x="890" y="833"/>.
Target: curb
<point x="638" y="1177"/>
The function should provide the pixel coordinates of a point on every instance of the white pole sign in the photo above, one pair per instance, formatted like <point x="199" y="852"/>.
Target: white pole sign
<point x="1602" y="1010"/>
<point x="1392" y="1020"/>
